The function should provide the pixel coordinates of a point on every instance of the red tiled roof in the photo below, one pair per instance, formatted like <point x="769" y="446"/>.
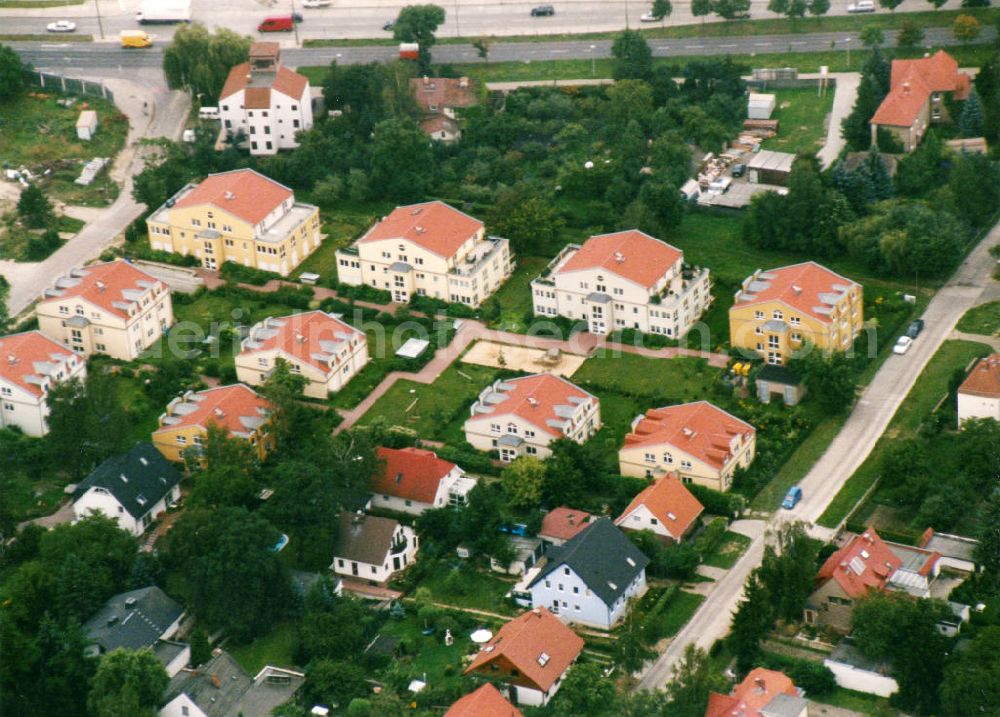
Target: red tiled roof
<point x="103" y="284"/>
<point x="410" y="473"/>
<point x="534" y="398"/>
<point x="286" y="81"/>
<point x="984" y="379"/>
<point x="435" y="226"/>
<point x="484" y="702"/>
<point x="750" y="696"/>
<point x="441" y="92"/>
<point x="699" y="429"/>
<point x="436" y="123"/>
<point x="19" y="354"/>
<point x="564" y="523"/>
<point x="800" y="286"/>
<point x="912" y="83"/>
<point x="243" y="193"/>
<point x="670" y="502"/>
<point x="903" y="104"/>
<point x="632" y="254"/>
<point x="536" y="643"/>
<point x="225" y="406"/>
<point x="312" y="337"/>
<point x="856" y="573"/>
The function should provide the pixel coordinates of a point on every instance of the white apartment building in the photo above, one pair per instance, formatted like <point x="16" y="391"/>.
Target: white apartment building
<point x="30" y="365"/>
<point x="624" y="280"/>
<point x="429" y="249"/>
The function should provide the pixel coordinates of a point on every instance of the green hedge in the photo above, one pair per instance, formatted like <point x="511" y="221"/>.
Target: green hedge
<point x="716" y="503"/>
<point x="231" y="271"/>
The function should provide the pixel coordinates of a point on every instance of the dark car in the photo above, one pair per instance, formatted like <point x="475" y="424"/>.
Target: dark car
<point x="913" y="331"/>
<point x="739" y="170"/>
<point x="543" y="11"/>
<point x="389" y="25"/>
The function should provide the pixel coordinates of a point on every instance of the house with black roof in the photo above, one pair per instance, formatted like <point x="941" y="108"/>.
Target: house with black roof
<point x="591" y="578"/>
<point x="144" y="618"/>
<point x="132" y="488"/>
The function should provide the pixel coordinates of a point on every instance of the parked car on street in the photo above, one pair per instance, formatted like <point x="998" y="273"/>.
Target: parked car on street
<point x="903" y="344"/>
<point x="389" y="25"/>
<point x="861" y="6"/>
<point x="316" y="3"/>
<point x="792" y="498"/>
<point x="649" y="17"/>
<point x="543" y="11"/>
<point x="916" y="326"/>
<point x="61" y="26"/>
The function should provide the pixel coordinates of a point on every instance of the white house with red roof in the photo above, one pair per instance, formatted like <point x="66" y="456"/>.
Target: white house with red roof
<point x="762" y="693"/>
<point x="665" y="507"/>
<point x="113" y="308"/>
<point x="698" y="441"/>
<point x="979" y="394"/>
<point x="532" y="654"/>
<point x="326" y="351"/>
<point x="412" y="480"/>
<point x="30" y="365"/>
<point x="522" y="416"/>
<point x="239" y="216"/>
<point x="868" y="563"/>
<point x="428" y="249"/>
<point x="486" y="701"/>
<point x="563" y="524"/>
<point x="265" y="102"/>
<point x="624" y="280"/>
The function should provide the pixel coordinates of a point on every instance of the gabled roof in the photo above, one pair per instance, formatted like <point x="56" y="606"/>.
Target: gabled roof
<point x="244" y="193"/>
<point x="410" y="473"/>
<point x="364" y="538"/>
<point x="902" y="105"/>
<point x="311" y="337"/>
<point x="435" y="226"/>
<point x="603" y="558"/>
<point x="536" y="643"/>
<point x="864" y="563"/>
<point x="441" y="92"/>
<point x="761" y="691"/>
<point x="286" y="81"/>
<point x="31" y="360"/>
<point x="214" y="687"/>
<point x="545" y="400"/>
<point x="984" y="379"/>
<point x="113" y="286"/>
<point x="133" y="620"/>
<point x="806" y="287"/>
<point x="138" y="480"/>
<point x="564" y="523"/>
<point x="632" y="255"/>
<point x="911" y="84"/>
<point x="484" y="702"/>
<point x="237" y="408"/>
<point x="670" y="502"/>
<point x="700" y="429"/>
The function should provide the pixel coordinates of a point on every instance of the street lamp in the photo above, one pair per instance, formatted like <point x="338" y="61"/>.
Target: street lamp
<point x="100" y="24"/>
<point x="593" y="61"/>
<point x="847" y="41"/>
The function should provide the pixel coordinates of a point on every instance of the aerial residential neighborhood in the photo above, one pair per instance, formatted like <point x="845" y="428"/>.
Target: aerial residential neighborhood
<point x="499" y="360"/>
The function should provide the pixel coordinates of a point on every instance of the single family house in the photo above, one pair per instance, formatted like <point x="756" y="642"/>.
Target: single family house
<point x="412" y="480"/>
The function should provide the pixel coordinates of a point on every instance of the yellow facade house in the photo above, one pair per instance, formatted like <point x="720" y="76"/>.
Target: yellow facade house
<point x="239" y="409"/>
<point x="776" y="312"/>
<point x="112" y="308"/>
<point x="239" y="216"/>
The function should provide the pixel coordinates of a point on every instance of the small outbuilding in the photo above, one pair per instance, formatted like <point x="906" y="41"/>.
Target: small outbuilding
<point x="769" y="167"/>
<point x="779" y="381"/>
<point x="760" y="106"/>
<point x="86" y="125"/>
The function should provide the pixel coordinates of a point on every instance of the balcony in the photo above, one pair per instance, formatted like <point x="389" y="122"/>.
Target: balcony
<point x="482" y="252"/>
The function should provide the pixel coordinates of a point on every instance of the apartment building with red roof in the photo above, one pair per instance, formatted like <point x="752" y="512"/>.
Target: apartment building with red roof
<point x="979" y="394"/>
<point x="697" y="441"/>
<point x="867" y="563"/>
<point x="238" y="409"/>
<point x="322" y="348"/>
<point x="265" y="103"/>
<point x="239" y="216"/>
<point x="563" y="524"/>
<point x="486" y="701"/>
<point x="778" y="311"/>
<point x="30" y="365"/>
<point x="665" y="507"/>
<point x="112" y="308"/>
<point x="412" y="480"/>
<point x="532" y="654"/>
<point x="762" y="693"/>
<point x="918" y="90"/>
<point x="428" y="249"/>
<point x="623" y="280"/>
<point x="522" y="416"/>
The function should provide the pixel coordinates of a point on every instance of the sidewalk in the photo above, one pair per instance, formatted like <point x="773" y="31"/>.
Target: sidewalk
<point x="993" y="341"/>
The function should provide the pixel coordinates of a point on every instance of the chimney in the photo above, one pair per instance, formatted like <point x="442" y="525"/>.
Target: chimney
<point x="463" y="82"/>
<point x="760" y="684"/>
<point x="11" y="359"/>
<point x="216" y="682"/>
<point x="532" y="401"/>
<point x="229" y="195"/>
<point x="427" y="80"/>
<point x="619" y="257"/>
<point x="906" y="88"/>
<point x="300" y="338"/>
<point x="218" y="412"/>
<point x="797" y="289"/>
<point x="101" y="286"/>
<point x="571" y="519"/>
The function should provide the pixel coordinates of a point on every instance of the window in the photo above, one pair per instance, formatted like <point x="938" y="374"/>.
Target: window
<point x="686" y="465"/>
<point x="773" y="341"/>
<point x="512" y="428"/>
<point x="668" y="458"/>
<point x="531" y="450"/>
<point x="182" y="440"/>
<point x="777" y="314"/>
<point x="758" y="314"/>
<point x="650" y="458"/>
<point x="795" y="320"/>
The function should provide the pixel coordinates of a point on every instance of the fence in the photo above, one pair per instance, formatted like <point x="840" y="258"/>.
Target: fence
<point x="70" y="85"/>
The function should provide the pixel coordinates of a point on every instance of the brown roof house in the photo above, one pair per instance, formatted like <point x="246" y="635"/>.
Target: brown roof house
<point x="438" y="99"/>
<point x="372" y="549"/>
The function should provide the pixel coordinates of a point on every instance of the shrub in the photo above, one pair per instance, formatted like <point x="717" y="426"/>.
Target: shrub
<point x="716" y="503"/>
<point x="231" y="271"/>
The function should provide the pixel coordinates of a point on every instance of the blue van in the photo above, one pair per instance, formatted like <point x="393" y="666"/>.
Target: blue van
<point x="792" y="498"/>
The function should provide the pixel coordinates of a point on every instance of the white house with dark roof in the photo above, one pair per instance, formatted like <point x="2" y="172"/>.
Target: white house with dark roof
<point x="369" y="548"/>
<point x="30" y="365"/>
<point x="132" y="488"/>
<point x="522" y="416"/>
<point x="428" y="249"/>
<point x="623" y="280"/>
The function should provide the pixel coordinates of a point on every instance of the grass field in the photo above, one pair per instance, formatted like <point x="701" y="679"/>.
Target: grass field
<point x="275" y="648"/>
<point x="514" y="296"/>
<point x="726" y="555"/>
<point x="930" y="387"/>
<point x="662" y="381"/>
<point x="678" y="611"/>
<point x="342" y="223"/>
<point x="468" y="587"/>
<point x="983" y="319"/>
<point x="802" y="113"/>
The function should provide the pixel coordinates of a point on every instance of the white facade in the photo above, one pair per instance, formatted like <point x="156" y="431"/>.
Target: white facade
<point x="24" y="408"/>
<point x="973" y="406"/>
<point x="268" y="129"/>
<point x="100" y="499"/>
<point x="451" y="491"/>
<point x="392" y="562"/>
<point x="642" y="518"/>
<point x="565" y="594"/>
<point x="861" y="680"/>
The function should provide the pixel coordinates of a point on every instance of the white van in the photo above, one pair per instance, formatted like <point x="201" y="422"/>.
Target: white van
<point x="861" y="6"/>
<point x="208" y="113"/>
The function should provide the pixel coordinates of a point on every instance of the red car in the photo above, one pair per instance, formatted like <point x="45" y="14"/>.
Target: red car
<point x="278" y="23"/>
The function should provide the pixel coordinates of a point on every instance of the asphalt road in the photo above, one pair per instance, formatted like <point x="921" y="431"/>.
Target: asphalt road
<point x="971" y="284"/>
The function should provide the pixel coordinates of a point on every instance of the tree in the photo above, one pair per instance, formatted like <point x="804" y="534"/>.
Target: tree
<point x="201" y="650"/>
<point x="971" y="684"/>
<point x="127" y="684"/>
<point x="229" y="473"/>
<point x="830" y="379"/>
<point x="483" y="46"/>
<point x="526" y="216"/>
<point x="661" y="9"/>
<point x="751" y="621"/>
<point x="975" y="3"/>
<point x="910" y="34"/>
<point x="819" y="7"/>
<point x="523" y="482"/>
<point x="12" y="74"/>
<point x="987" y="552"/>
<point x="34" y="208"/>
<point x="778" y="7"/>
<point x="966" y="28"/>
<point x="872" y="36"/>
<point x="972" y="120"/>
<point x="199" y="61"/>
<point x="328" y="682"/>
<point x="975" y="188"/>
<point x="584" y="692"/>
<point x="418" y="23"/>
<point x="690" y="683"/>
<point x="701" y="8"/>
<point x="788" y="569"/>
<point x="936" y="4"/>
<point x="633" y="57"/>
<point x="402" y="159"/>
<point x="631" y="651"/>
<point x="890" y="5"/>
<point x="4" y="313"/>
<point x="731" y="9"/>
<point x="288" y="416"/>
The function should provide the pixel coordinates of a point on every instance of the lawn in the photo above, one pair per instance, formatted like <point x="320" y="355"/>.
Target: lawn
<point x="678" y="611"/>
<point x="802" y="113"/>
<point x="514" y="297"/>
<point x="275" y="648"/>
<point x="662" y="381"/>
<point x="860" y="702"/>
<point x="465" y="586"/>
<point x="342" y="224"/>
<point x="983" y="319"/>
<point x="930" y="387"/>
<point x="728" y="552"/>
